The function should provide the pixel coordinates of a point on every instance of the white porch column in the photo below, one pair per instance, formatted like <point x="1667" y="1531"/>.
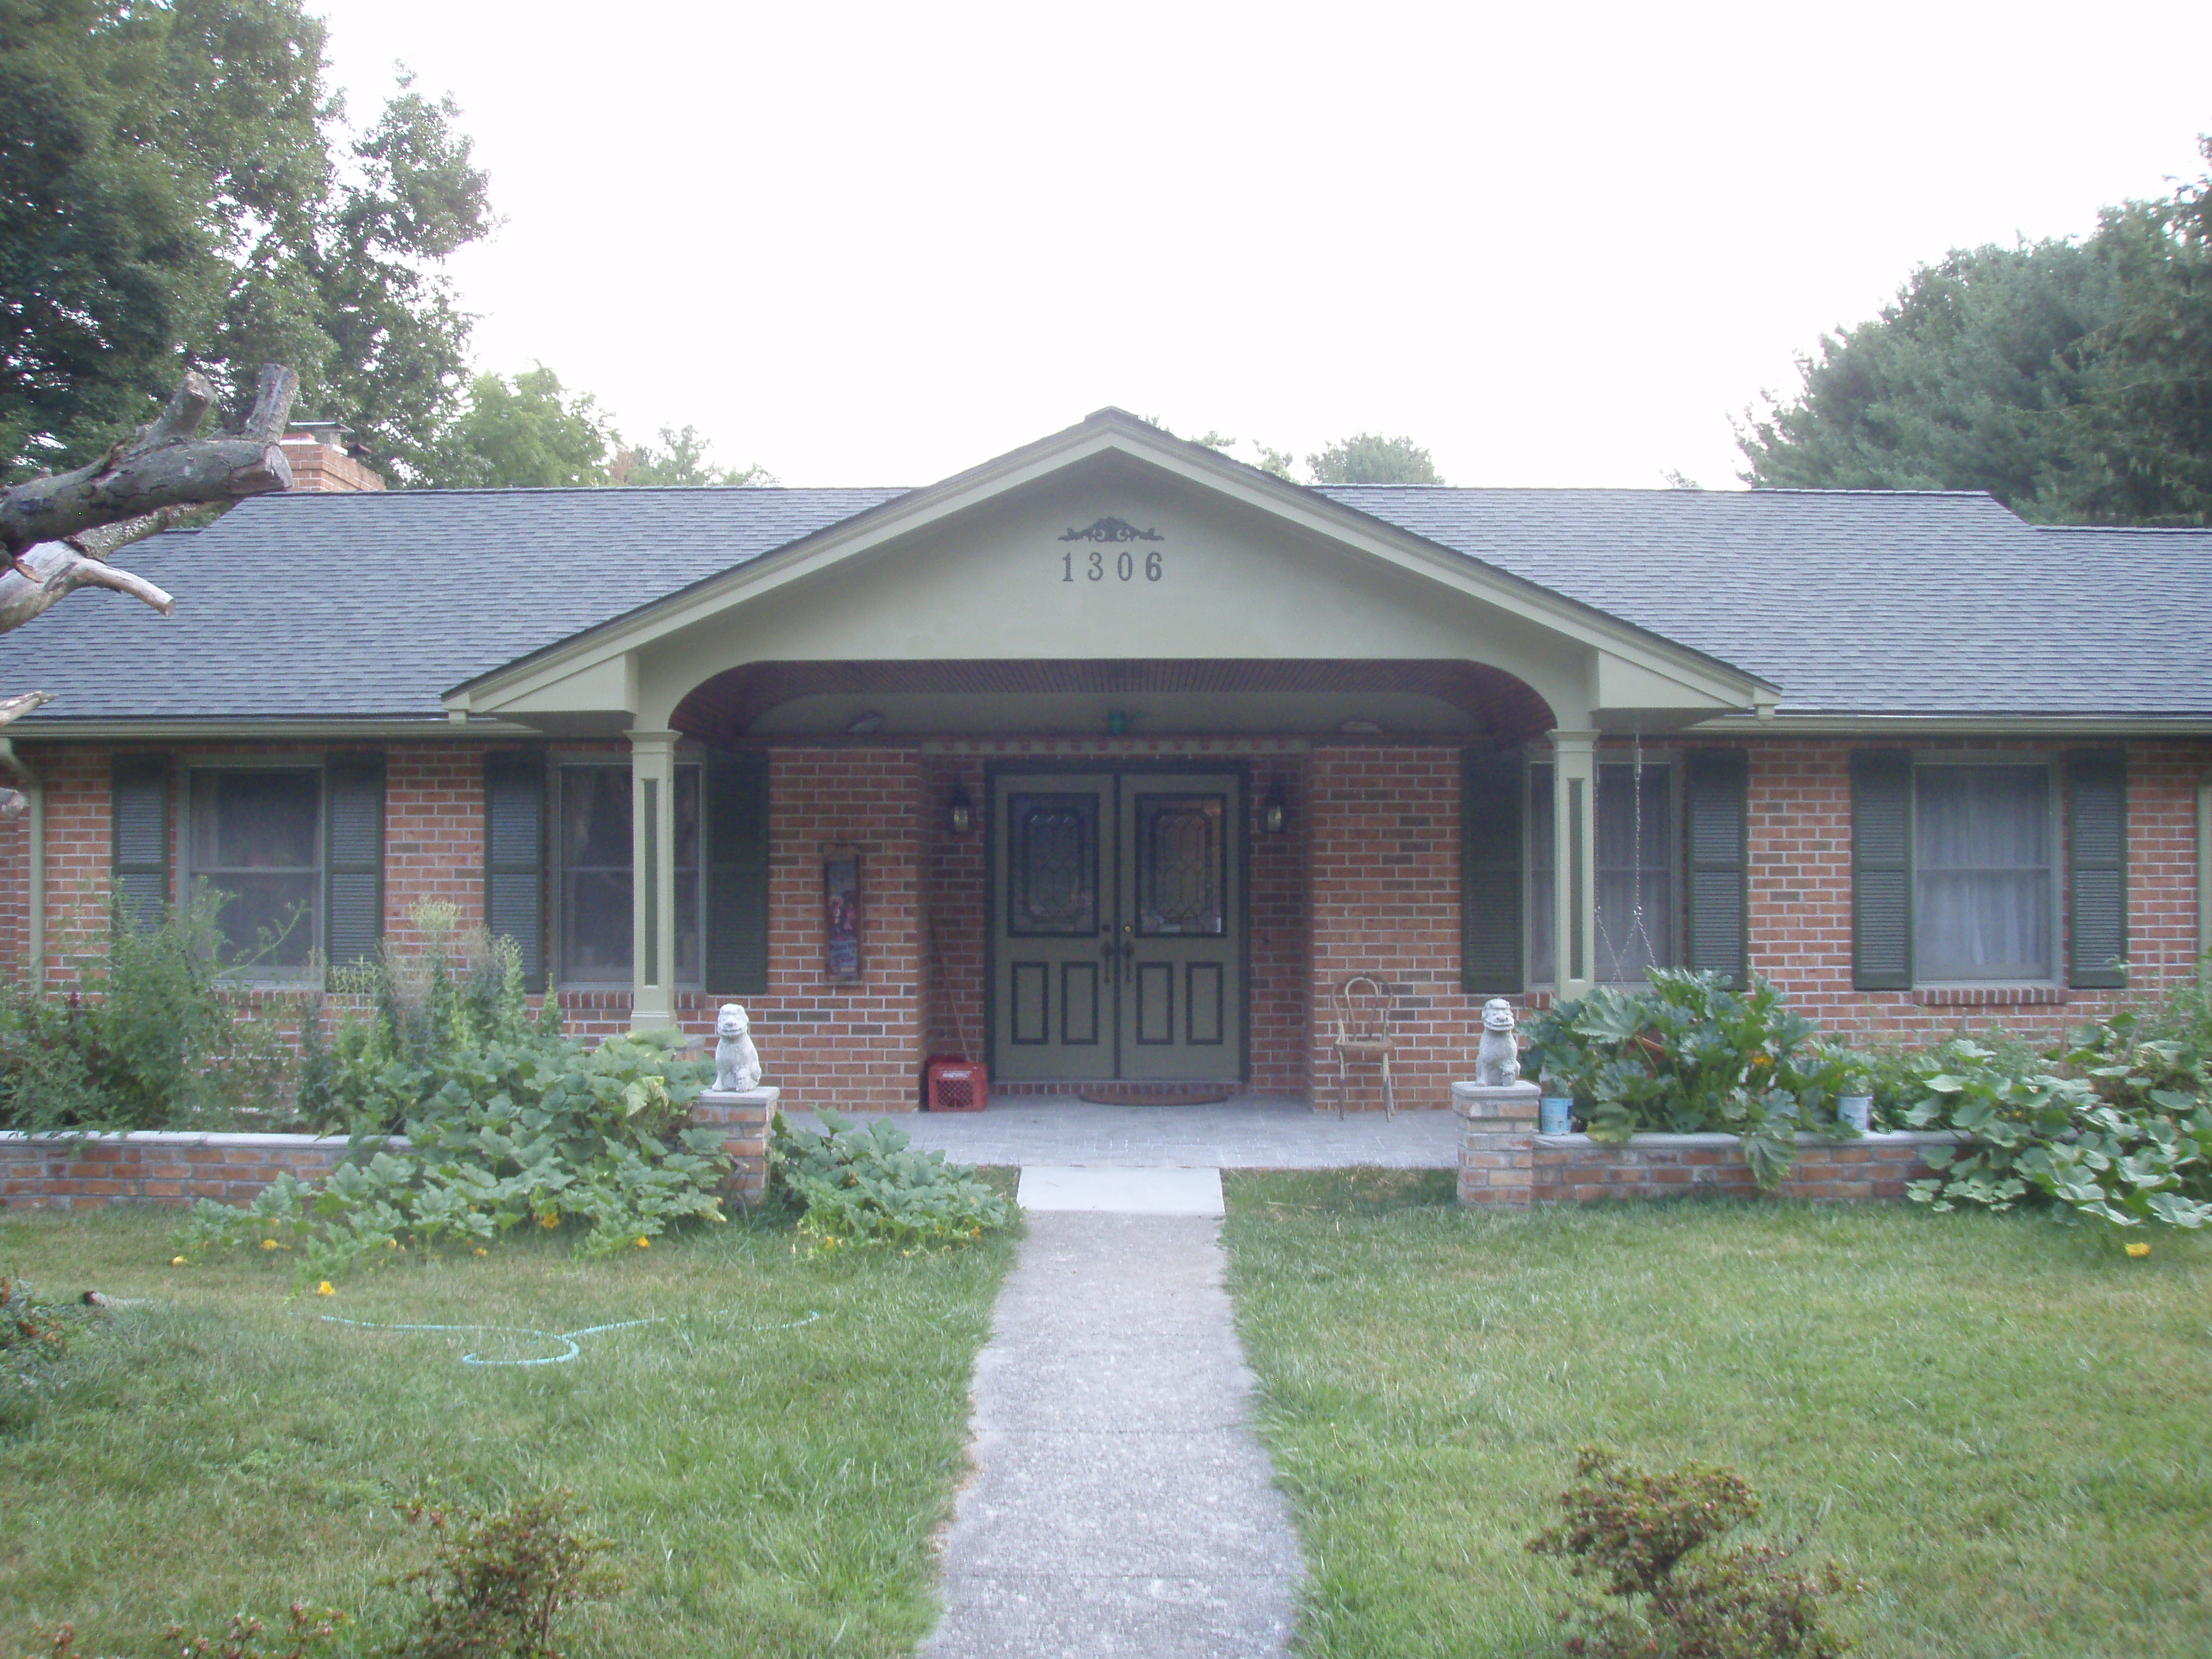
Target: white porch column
<point x="652" y="878"/>
<point x="1574" y="857"/>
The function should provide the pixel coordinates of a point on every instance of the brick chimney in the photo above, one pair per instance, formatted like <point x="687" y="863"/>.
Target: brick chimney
<point x="321" y="459"/>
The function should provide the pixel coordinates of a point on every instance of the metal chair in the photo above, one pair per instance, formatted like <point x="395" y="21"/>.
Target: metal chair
<point x="1363" y="1011"/>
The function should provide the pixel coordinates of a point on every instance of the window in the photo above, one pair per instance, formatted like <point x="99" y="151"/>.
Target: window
<point x="596" y="853"/>
<point x="1984" y="880"/>
<point x="1635" y="868"/>
<point x="255" y="837"/>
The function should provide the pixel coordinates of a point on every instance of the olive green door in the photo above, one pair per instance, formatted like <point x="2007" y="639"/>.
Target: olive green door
<point x="1117" y="935"/>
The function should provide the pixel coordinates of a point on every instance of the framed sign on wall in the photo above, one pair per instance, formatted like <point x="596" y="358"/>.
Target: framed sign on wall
<point x="840" y="912"/>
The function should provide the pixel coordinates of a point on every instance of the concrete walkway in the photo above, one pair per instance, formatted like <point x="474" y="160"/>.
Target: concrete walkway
<point x="1254" y="1132"/>
<point x="1120" y="1504"/>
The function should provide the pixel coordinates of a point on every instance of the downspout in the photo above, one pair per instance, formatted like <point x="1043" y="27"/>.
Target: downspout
<point x="34" y="791"/>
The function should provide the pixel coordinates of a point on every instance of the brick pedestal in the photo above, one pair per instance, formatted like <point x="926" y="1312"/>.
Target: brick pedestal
<point x="1497" y="1143"/>
<point x="743" y="1116"/>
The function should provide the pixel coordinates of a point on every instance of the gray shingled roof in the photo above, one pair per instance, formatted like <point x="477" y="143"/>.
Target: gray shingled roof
<point x="1864" y="602"/>
<point x="327" y="606"/>
<point x="315" y="606"/>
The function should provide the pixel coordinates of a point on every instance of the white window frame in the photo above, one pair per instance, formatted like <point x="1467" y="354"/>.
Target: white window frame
<point x="556" y="874"/>
<point x="1670" y="932"/>
<point x="2053" y="976"/>
<point x="310" y="973"/>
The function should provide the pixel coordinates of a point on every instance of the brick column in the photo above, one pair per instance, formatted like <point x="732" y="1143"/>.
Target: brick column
<point x="1497" y="1143"/>
<point x="743" y="1116"/>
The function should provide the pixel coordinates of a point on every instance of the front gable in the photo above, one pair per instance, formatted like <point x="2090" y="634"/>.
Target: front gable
<point x="1111" y="544"/>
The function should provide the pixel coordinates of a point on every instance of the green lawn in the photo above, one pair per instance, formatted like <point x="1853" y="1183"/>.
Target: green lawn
<point x="2003" y="1422"/>
<point x="771" y="1491"/>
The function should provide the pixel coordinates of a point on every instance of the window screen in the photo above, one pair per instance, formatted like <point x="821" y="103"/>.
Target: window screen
<point x="256" y="839"/>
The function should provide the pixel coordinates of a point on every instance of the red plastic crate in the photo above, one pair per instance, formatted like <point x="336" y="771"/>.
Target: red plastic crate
<point x="957" y="1085"/>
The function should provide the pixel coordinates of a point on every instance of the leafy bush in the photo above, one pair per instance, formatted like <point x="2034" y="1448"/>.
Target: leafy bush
<point x="148" y="1035"/>
<point x="2125" y="1138"/>
<point x="497" y="1584"/>
<point x="507" y="1122"/>
<point x="1640" y="1533"/>
<point x="864" y="1187"/>
<point x="1690" y="1055"/>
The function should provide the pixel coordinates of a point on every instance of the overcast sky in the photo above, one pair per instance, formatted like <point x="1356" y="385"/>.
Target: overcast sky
<point x="874" y="245"/>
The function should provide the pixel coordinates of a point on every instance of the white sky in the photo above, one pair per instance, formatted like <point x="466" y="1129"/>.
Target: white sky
<point x="871" y="244"/>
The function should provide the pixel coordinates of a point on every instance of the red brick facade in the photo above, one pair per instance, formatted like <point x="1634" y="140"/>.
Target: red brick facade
<point x="1366" y="880"/>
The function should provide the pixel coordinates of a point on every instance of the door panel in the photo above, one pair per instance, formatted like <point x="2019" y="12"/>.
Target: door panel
<point x="1117" y="936"/>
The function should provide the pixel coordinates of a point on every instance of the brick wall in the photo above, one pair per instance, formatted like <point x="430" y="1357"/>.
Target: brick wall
<point x="1383" y="834"/>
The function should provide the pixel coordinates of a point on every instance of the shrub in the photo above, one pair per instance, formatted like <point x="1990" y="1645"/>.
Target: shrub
<point x="148" y="1035"/>
<point x="34" y="1333"/>
<point x="864" y="1187"/>
<point x="1640" y="1534"/>
<point x="496" y="1585"/>
<point x="2126" y="1138"/>
<point x="1690" y="1055"/>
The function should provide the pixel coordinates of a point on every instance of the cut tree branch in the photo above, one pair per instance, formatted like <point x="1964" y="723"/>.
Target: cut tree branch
<point x="14" y="708"/>
<point x="56" y="571"/>
<point x="163" y="467"/>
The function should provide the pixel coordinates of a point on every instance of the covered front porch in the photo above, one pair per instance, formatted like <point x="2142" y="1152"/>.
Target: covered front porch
<point x="1108" y="760"/>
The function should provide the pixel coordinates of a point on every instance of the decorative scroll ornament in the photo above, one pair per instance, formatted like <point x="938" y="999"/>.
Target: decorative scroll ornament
<point x="1113" y="530"/>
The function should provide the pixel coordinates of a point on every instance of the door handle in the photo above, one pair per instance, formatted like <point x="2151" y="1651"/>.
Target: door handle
<point x="1129" y="960"/>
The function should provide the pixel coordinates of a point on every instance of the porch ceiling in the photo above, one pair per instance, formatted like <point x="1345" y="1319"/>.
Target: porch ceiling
<point x="1286" y="697"/>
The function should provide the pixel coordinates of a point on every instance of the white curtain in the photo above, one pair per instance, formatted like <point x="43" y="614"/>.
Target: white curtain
<point x="1982" y="861"/>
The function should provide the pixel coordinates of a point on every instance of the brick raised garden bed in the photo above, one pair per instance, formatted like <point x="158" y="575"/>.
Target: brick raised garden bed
<point x="1502" y="1160"/>
<point x="179" y="1167"/>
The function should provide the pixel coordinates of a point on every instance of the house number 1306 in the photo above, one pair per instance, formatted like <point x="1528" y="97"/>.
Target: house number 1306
<point x="1124" y="565"/>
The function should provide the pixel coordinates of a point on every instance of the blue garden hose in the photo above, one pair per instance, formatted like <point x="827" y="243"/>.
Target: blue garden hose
<point x="566" y="1338"/>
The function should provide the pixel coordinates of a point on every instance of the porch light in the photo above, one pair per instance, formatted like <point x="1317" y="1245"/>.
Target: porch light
<point x="959" y="811"/>
<point x="1274" y="812"/>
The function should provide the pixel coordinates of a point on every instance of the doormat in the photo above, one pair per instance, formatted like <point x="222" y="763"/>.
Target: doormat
<point x="1110" y="1095"/>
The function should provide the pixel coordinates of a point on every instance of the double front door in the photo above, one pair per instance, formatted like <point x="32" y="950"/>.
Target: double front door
<point x="1117" y="927"/>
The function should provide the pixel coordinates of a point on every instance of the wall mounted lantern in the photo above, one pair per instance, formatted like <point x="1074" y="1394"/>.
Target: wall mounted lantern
<point x="959" y="811"/>
<point x="1274" y="812"/>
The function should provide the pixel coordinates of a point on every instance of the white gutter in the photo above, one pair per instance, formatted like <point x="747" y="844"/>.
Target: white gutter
<point x="34" y="791"/>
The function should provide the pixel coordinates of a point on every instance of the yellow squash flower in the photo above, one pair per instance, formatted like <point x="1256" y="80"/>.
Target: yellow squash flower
<point x="325" y="1289"/>
<point x="176" y="1261"/>
<point x="2139" y="1250"/>
<point x="643" y="1242"/>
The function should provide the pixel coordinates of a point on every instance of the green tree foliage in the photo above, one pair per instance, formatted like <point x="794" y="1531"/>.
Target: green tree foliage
<point x="527" y="432"/>
<point x="681" y="460"/>
<point x="177" y="190"/>
<point x="2072" y="380"/>
<point x="1368" y="457"/>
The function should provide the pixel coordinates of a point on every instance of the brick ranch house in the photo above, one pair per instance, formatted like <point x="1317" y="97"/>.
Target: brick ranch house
<point x="1108" y="759"/>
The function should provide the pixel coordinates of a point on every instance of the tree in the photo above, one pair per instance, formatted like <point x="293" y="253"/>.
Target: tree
<point x="682" y="460"/>
<point x="1368" y="457"/>
<point x="1277" y="461"/>
<point x="177" y="191"/>
<point x="522" y="433"/>
<point x="57" y="531"/>
<point x="2071" y="380"/>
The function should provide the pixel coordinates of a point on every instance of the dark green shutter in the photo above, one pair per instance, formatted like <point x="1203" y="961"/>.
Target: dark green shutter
<point x="1881" y="870"/>
<point x="514" y="857"/>
<point x="138" y="837"/>
<point x="2097" y="869"/>
<point x="353" y="857"/>
<point x="737" y="875"/>
<point x="1489" y="882"/>
<point x="1713" y="807"/>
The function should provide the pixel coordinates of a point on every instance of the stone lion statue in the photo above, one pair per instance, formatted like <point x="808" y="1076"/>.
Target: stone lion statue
<point x="736" y="1062"/>
<point x="1497" y="1058"/>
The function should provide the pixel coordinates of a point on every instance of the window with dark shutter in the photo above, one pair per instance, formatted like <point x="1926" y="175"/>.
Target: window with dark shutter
<point x="1714" y="806"/>
<point x="737" y="875"/>
<point x="2097" y="869"/>
<point x="1881" y="870"/>
<point x="1490" y="874"/>
<point x="138" y="837"/>
<point x="353" y="857"/>
<point x="514" y="857"/>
